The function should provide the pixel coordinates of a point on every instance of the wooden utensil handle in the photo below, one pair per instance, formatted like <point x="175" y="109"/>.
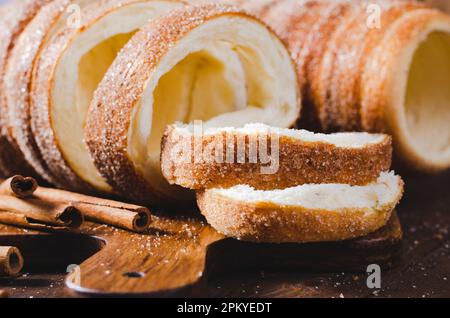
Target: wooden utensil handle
<point x="161" y="264"/>
<point x="150" y="265"/>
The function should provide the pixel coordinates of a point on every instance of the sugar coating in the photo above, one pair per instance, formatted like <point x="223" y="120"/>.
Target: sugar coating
<point x="323" y="196"/>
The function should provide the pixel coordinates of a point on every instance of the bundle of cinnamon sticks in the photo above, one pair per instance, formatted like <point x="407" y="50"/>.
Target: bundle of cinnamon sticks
<point x="24" y="203"/>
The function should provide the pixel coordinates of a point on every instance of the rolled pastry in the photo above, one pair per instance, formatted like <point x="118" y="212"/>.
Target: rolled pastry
<point x="69" y="66"/>
<point x="306" y="213"/>
<point x="306" y="27"/>
<point x="444" y="5"/>
<point x="270" y="158"/>
<point x="342" y="103"/>
<point x="377" y="66"/>
<point x="17" y="82"/>
<point x="15" y="16"/>
<point x="409" y="96"/>
<point x="172" y="69"/>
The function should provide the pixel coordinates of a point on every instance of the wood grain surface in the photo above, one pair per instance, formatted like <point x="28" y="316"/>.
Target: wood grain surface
<point x="180" y="254"/>
<point x="202" y="264"/>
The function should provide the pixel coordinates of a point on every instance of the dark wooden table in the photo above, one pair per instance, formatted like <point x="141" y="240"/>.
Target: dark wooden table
<point x="423" y="270"/>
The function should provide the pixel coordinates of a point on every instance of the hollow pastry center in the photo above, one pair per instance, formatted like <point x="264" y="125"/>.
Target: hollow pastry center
<point x="201" y="86"/>
<point x="228" y="72"/>
<point x="79" y="71"/>
<point x="427" y="104"/>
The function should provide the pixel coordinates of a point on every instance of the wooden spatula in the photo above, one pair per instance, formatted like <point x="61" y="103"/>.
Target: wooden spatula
<point x="178" y="254"/>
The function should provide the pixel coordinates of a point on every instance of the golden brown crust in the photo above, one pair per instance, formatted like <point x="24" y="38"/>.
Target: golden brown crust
<point x="330" y="19"/>
<point x="301" y="40"/>
<point x="270" y="223"/>
<point x="259" y="7"/>
<point x="295" y="21"/>
<point x="310" y="25"/>
<point x="344" y="43"/>
<point x="281" y="15"/>
<point x="18" y="81"/>
<point x="357" y="42"/>
<point x="346" y="64"/>
<point x="385" y="57"/>
<point x="255" y="7"/>
<point x="107" y="127"/>
<point x="299" y="162"/>
<point x="16" y="16"/>
<point x="327" y="84"/>
<point x="371" y="101"/>
<point x="43" y="77"/>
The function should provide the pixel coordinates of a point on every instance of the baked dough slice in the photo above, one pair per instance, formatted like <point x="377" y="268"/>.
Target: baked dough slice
<point x="270" y="158"/>
<point x="307" y="213"/>
<point x="17" y="81"/>
<point x="311" y="24"/>
<point x="405" y="89"/>
<point x="360" y="75"/>
<point x="70" y="65"/>
<point x="15" y="16"/>
<point x="125" y="122"/>
<point x="335" y="54"/>
<point x="353" y="52"/>
<point x="317" y="68"/>
<point x="50" y="19"/>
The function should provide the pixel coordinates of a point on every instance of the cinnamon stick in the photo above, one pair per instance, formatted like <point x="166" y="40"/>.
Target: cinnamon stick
<point x="119" y="214"/>
<point x="39" y="214"/>
<point x="136" y="220"/>
<point x="21" y="187"/>
<point x="123" y="215"/>
<point x="11" y="261"/>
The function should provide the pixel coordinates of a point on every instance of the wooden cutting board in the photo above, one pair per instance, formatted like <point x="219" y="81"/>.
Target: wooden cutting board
<point x="179" y="254"/>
